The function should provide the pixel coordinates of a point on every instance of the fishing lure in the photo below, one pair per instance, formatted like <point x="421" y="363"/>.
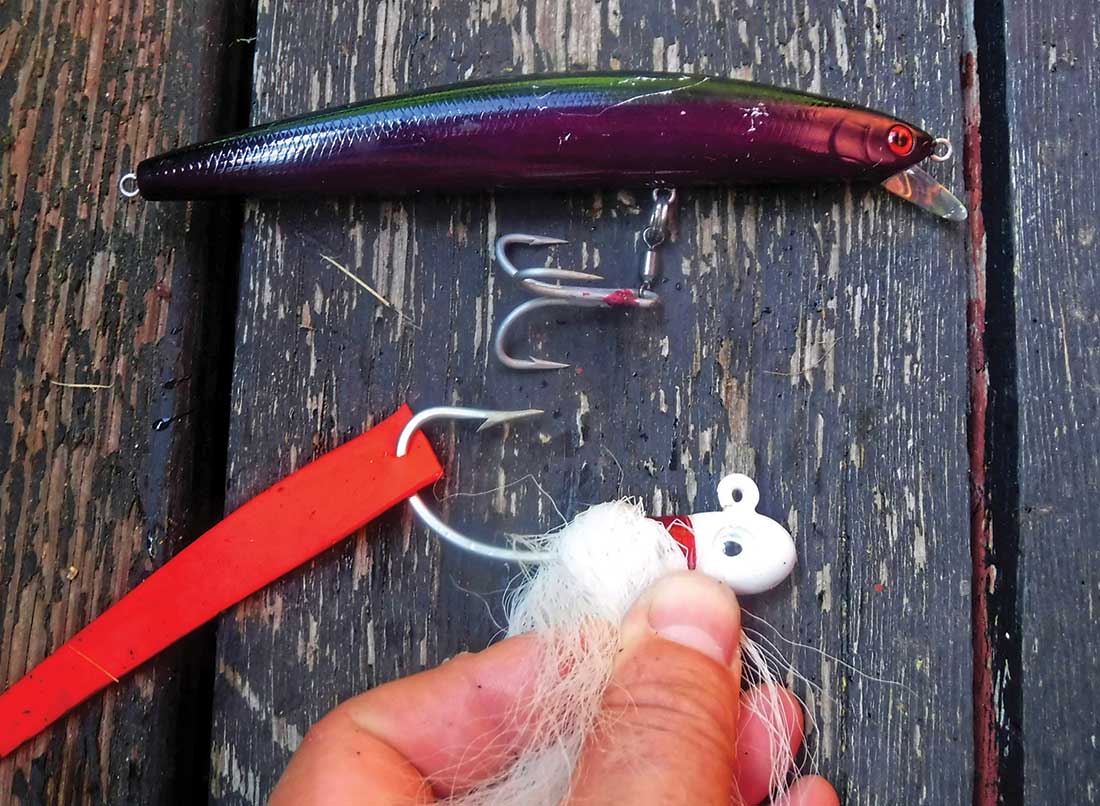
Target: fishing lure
<point x="749" y="552"/>
<point x="570" y="131"/>
<point x="323" y="502"/>
<point x="581" y="581"/>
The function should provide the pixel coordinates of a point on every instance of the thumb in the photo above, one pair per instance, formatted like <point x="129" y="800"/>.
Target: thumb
<point x="669" y="719"/>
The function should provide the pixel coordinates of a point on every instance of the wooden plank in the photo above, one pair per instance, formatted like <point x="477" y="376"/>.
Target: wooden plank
<point x="813" y="337"/>
<point x="98" y="484"/>
<point x="1053" y="113"/>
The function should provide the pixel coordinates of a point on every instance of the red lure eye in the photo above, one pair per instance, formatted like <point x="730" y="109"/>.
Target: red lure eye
<point x="901" y="140"/>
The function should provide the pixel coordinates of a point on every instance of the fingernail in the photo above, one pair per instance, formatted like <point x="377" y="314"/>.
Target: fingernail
<point x="696" y="611"/>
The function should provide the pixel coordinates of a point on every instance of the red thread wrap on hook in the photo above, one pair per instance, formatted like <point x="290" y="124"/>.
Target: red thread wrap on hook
<point x="679" y="526"/>
<point x="276" y="531"/>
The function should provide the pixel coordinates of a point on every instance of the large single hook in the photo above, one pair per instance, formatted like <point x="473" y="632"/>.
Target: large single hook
<point x="489" y="418"/>
<point x="748" y="551"/>
<point x="549" y="294"/>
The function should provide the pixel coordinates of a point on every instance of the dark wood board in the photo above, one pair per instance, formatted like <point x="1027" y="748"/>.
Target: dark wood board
<point x="1053" y="113"/>
<point x="814" y="337"/>
<point x="98" y="290"/>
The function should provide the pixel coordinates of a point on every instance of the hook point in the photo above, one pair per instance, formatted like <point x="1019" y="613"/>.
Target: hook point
<point x="496" y="418"/>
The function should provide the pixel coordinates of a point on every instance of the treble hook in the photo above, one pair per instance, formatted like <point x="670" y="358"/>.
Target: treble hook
<point x="548" y="294"/>
<point x="490" y="418"/>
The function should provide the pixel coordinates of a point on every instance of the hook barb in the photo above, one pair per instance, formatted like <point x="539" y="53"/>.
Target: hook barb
<point x="497" y="418"/>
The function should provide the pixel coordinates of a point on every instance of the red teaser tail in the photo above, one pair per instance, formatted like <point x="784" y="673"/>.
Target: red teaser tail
<point x="278" y="530"/>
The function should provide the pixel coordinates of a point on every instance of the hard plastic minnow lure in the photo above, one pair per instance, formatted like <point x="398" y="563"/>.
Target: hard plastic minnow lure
<point x="582" y="131"/>
<point x="578" y="131"/>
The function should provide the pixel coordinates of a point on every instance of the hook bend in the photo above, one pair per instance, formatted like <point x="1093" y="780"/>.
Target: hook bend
<point x="549" y="295"/>
<point x="489" y="418"/>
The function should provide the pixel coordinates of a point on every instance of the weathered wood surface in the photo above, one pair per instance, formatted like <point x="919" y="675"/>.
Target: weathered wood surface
<point x="814" y="337"/>
<point x="1054" y="111"/>
<point x="97" y="290"/>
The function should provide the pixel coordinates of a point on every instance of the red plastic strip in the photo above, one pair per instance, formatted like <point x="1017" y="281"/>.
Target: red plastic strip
<point x="679" y="526"/>
<point x="278" y="530"/>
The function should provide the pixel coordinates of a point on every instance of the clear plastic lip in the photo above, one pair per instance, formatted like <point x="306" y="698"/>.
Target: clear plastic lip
<point x="916" y="185"/>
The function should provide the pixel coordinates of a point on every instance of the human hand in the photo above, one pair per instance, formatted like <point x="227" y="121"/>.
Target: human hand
<point x="679" y="728"/>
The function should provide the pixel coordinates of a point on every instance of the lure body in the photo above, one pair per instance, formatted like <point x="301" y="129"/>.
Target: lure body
<point x="581" y="131"/>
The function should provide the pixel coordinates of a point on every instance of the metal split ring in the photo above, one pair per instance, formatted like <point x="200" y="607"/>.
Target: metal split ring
<point x="128" y="185"/>
<point x="659" y="222"/>
<point x="945" y="154"/>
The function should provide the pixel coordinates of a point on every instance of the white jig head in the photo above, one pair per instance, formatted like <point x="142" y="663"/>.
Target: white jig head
<point x="748" y="551"/>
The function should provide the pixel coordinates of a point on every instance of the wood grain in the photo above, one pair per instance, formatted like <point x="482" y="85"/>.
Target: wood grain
<point x="1053" y="111"/>
<point x="814" y="337"/>
<point x="101" y="327"/>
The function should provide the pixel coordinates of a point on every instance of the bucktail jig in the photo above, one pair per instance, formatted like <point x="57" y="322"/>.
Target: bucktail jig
<point x="322" y="503"/>
<point x="748" y="551"/>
